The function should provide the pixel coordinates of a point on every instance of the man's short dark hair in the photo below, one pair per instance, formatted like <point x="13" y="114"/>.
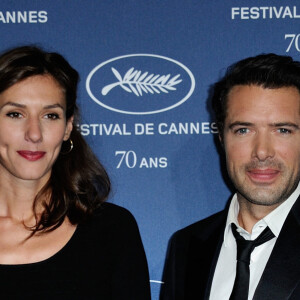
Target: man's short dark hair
<point x="266" y="70"/>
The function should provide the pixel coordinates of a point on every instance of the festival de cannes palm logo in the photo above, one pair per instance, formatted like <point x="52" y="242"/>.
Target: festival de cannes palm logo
<point x="137" y="82"/>
<point x="140" y="84"/>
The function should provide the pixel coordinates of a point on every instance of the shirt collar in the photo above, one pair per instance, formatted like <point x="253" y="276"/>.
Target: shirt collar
<point x="274" y="219"/>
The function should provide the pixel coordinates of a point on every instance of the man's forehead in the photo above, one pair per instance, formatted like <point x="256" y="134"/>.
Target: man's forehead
<point x="260" y="93"/>
<point x="239" y="87"/>
<point x="256" y="100"/>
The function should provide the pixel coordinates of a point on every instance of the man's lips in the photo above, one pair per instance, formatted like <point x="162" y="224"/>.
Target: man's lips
<point x="263" y="175"/>
<point x="31" y="155"/>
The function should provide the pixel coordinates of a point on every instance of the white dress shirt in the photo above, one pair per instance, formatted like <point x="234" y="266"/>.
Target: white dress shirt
<point x="224" y="275"/>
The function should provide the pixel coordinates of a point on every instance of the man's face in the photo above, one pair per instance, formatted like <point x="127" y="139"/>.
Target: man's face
<point x="262" y="142"/>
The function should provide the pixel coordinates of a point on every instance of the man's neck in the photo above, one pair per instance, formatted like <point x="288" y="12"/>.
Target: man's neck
<point x="250" y="214"/>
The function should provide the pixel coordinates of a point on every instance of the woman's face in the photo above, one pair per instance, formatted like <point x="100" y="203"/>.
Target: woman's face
<point x="33" y="126"/>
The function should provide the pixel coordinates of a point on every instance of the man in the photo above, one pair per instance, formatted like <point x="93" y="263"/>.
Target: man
<point x="257" y="107"/>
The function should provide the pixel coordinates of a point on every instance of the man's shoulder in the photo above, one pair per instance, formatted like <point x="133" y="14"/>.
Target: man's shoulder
<point x="203" y="228"/>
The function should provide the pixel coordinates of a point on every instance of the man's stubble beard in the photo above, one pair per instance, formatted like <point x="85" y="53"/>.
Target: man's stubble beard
<point x="262" y="194"/>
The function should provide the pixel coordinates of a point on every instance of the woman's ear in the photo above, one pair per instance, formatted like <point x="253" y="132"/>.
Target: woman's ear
<point x="69" y="128"/>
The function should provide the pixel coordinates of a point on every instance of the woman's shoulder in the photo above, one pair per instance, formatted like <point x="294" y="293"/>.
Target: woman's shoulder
<point x="112" y="216"/>
<point x="112" y="210"/>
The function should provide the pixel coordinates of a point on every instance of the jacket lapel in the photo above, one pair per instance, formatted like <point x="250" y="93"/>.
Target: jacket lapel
<point x="282" y="272"/>
<point x="202" y="258"/>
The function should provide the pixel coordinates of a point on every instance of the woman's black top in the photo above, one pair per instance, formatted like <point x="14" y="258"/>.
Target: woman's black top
<point x="104" y="259"/>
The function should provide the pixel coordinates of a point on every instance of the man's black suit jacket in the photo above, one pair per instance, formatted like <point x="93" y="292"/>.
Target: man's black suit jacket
<point x="193" y="254"/>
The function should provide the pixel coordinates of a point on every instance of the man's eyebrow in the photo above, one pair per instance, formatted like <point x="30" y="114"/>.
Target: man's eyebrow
<point x="285" y="124"/>
<point x="279" y="124"/>
<point x="15" y="104"/>
<point x="238" y="123"/>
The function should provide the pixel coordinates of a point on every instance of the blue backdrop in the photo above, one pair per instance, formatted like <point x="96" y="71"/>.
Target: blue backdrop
<point x="146" y="70"/>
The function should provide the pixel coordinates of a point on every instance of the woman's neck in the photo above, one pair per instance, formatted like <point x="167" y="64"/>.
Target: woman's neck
<point x="17" y="197"/>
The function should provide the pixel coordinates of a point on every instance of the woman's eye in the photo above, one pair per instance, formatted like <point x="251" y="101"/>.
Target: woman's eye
<point x="14" y="115"/>
<point x="52" y="116"/>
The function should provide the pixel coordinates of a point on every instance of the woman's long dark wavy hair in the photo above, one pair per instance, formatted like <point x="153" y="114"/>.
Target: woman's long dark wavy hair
<point x="78" y="183"/>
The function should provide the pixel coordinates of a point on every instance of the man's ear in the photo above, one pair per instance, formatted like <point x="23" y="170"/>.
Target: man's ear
<point x="69" y="128"/>
<point x="221" y="139"/>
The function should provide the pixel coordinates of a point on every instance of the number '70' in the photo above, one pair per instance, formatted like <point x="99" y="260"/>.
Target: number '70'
<point x="294" y="40"/>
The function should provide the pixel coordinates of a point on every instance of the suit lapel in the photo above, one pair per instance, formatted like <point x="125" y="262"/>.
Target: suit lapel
<point x="282" y="271"/>
<point x="213" y="264"/>
<point x="202" y="257"/>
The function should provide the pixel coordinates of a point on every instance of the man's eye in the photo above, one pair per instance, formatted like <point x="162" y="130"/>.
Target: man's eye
<point x="14" y="115"/>
<point x="242" y="131"/>
<point x="52" y="116"/>
<point x="284" y="131"/>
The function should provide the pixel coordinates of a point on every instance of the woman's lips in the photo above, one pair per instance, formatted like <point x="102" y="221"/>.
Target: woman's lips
<point x="31" y="155"/>
<point x="266" y="175"/>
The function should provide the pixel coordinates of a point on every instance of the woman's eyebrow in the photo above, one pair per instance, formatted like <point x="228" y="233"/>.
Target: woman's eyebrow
<point x="15" y="104"/>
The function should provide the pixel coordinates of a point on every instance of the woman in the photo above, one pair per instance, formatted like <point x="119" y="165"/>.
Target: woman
<point x="58" y="239"/>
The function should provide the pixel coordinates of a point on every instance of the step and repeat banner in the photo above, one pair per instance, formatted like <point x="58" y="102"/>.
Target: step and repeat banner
<point x="146" y="71"/>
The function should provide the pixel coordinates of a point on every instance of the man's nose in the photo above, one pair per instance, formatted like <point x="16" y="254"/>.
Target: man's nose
<point x="263" y="146"/>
